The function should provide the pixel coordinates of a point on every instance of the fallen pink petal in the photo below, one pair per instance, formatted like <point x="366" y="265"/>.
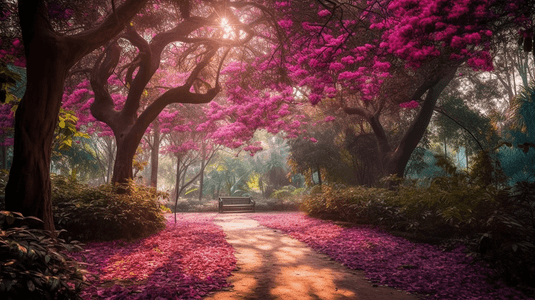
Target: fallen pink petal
<point x="186" y="260"/>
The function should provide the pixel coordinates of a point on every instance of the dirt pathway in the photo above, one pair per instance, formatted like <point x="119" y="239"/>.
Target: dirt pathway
<point x="272" y="265"/>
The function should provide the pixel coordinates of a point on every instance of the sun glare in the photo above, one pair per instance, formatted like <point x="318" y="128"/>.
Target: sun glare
<point x="226" y="27"/>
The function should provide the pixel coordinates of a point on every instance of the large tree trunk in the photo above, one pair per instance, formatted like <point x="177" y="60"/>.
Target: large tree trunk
<point x="394" y="161"/>
<point x="28" y="188"/>
<point x="397" y="160"/>
<point x="124" y="157"/>
<point x="49" y="56"/>
<point x="111" y="158"/>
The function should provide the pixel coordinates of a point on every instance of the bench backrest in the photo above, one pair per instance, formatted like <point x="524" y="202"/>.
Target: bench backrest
<point x="235" y="200"/>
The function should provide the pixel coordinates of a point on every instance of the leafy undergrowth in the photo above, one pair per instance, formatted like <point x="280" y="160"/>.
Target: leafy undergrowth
<point x="388" y="260"/>
<point x="186" y="260"/>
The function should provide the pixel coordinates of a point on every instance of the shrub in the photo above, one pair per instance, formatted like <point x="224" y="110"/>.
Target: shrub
<point x="355" y="204"/>
<point x="33" y="265"/>
<point x="448" y="206"/>
<point x="508" y="244"/>
<point x="98" y="213"/>
<point x="283" y="193"/>
<point x="286" y="198"/>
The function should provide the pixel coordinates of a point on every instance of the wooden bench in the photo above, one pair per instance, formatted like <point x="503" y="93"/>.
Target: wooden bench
<point x="236" y="204"/>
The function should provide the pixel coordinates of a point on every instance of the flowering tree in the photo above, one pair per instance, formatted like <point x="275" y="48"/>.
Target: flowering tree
<point x="190" y="147"/>
<point x="50" y="50"/>
<point x="198" y="41"/>
<point x="78" y="98"/>
<point x="378" y="57"/>
<point x="187" y="144"/>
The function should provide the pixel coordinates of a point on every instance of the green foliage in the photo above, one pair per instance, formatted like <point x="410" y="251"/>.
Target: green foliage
<point x="228" y="177"/>
<point x="308" y="156"/>
<point x="34" y="265"/>
<point x="452" y="203"/>
<point x="518" y="161"/>
<point x="419" y="163"/>
<point x="462" y="126"/>
<point x="270" y="163"/>
<point x="66" y="130"/>
<point x="98" y="213"/>
<point x="286" y="198"/>
<point x="487" y="170"/>
<point x="341" y="202"/>
<point x="508" y="243"/>
<point x="361" y="154"/>
<point x="4" y="176"/>
<point x="78" y="161"/>
<point x="284" y="193"/>
<point x="240" y="187"/>
<point x="10" y="79"/>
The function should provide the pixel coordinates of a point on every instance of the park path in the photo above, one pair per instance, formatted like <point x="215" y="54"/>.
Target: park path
<point x="272" y="265"/>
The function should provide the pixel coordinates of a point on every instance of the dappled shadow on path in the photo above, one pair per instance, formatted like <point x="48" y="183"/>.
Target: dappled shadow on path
<point x="271" y="265"/>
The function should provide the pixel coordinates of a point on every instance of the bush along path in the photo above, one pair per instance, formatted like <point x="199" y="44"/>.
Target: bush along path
<point x="422" y="269"/>
<point x="186" y="260"/>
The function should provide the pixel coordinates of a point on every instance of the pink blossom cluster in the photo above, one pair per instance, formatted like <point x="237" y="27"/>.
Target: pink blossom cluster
<point x="420" y="30"/>
<point x="328" y="64"/>
<point x="410" y="104"/>
<point x="249" y="108"/>
<point x="14" y="53"/>
<point x="324" y="13"/>
<point x="58" y="12"/>
<point x="412" y="32"/>
<point x="183" y="147"/>
<point x="252" y="149"/>
<point x="80" y="99"/>
<point x="329" y="119"/>
<point x="186" y="260"/>
<point x="388" y="260"/>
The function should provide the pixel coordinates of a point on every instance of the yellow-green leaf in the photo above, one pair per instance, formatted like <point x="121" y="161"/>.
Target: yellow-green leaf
<point x="67" y="142"/>
<point x="81" y="134"/>
<point x="10" y="97"/>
